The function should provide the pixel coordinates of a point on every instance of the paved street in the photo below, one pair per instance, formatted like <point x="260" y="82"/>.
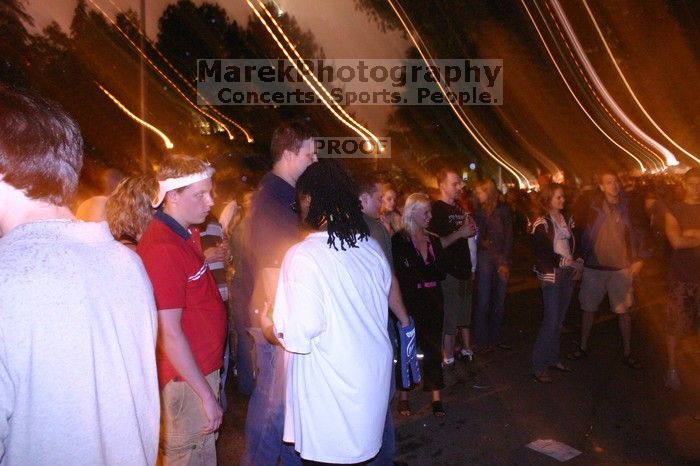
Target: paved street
<point x="612" y="414"/>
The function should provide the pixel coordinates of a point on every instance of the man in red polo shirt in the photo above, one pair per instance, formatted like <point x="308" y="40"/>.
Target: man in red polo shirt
<point x="191" y="316"/>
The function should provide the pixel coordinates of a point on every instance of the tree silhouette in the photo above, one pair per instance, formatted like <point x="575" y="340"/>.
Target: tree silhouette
<point x="14" y="42"/>
<point x="99" y="51"/>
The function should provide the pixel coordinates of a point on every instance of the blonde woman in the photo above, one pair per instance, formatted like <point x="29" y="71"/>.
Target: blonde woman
<point x="389" y="215"/>
<point x="129" y="209"/>
<point x="417" y="258"/>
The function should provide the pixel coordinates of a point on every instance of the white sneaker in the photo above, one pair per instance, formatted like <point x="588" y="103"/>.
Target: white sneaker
<point x="467" y="354"/>
<point x="672" y="381"/>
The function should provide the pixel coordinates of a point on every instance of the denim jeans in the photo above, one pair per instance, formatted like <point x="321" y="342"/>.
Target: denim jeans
<point x="223" y="374"/>
<point x="243" y="351"/>
<point x="244" y="361"/>
<point x="264" y="426"/>
<point x="490" y="303"/>
<point x="385" y="457"/>
<point x="556" y="297"/>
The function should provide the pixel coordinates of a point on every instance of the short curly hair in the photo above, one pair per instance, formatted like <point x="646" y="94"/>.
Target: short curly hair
<point x="129" y="207"/>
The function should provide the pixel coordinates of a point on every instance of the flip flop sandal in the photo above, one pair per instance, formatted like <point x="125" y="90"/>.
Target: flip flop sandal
<point x="404" y="408"/>
<point x="438" y="409"/>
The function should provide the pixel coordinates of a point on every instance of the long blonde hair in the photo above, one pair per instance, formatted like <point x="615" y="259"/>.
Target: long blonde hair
<point x="413" y="202"/>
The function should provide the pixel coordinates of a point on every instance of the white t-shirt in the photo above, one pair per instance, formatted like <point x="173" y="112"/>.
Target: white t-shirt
<point x="78" y="380"/>
<point x="562" y="234"/>
<point x="330" y="314"/>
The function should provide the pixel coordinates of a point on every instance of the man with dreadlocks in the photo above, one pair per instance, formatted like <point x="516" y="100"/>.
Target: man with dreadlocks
<point x="330" y="315"/>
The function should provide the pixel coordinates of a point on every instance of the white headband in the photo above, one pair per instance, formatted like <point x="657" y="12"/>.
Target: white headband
<point x="175" y="183"/>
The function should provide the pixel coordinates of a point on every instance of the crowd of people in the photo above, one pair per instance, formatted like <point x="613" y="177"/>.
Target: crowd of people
<point x="324" y="297"/>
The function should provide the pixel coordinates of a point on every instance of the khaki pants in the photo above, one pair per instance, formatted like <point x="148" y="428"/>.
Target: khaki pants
<point x="182" y="419"/>
<point x="457" y="294"/>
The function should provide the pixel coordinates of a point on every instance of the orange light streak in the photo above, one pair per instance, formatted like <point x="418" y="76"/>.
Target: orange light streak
<point x="327" y="100"/>
<point x="167" y="79"/>
<point x="573" y="94"/>
<point x="522" y="180"/>
<point x="668" y="157"/>
<point x="166" y="140"/>
<point x="249" y="138"/>
<point x="629" y="88"/>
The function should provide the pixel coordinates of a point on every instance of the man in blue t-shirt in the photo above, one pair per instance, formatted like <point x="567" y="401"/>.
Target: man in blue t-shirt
<point x="273" y="228"/>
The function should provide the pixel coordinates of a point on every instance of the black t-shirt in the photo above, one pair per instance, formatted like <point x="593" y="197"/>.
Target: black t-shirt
<point x="448" y="219"/>
<point x="684" y="262"/>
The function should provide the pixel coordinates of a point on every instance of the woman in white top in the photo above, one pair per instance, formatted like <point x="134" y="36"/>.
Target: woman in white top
<point x="557" y="268"/>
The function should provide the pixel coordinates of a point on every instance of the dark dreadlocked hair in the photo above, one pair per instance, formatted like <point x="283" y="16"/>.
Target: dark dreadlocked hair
<point x="333" y="200"/>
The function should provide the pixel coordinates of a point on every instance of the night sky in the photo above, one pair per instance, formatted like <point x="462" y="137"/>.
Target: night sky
<point x="566" y="106"/>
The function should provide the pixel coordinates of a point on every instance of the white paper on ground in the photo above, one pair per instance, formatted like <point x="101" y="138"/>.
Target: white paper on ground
<point x="557" y="450"/>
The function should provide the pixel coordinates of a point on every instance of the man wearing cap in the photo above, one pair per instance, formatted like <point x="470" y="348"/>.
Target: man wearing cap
<point x="191" y="315"/>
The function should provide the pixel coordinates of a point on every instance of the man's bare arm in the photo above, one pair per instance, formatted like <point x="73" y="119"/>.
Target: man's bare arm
<point x="468" y="229"/>
<point x="675" y="235"/>
<point x="270" y="278"/>
<point x="396" y="302"/>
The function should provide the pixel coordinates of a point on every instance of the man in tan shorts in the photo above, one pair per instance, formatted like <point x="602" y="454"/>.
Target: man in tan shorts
<point x="613" y="252"/>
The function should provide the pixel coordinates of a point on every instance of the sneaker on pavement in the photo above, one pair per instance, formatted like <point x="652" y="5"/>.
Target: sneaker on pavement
<point x="465" y="353"/>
